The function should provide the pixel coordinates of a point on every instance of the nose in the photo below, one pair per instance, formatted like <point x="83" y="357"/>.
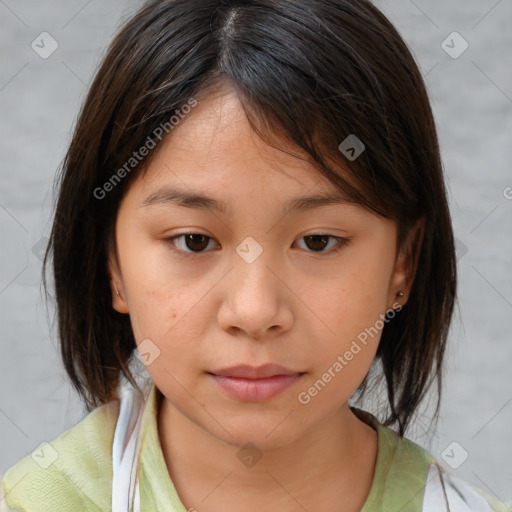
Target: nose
<point x="256" y="299"/>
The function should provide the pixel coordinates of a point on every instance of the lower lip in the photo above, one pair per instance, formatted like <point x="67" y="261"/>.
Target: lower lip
<point x="255" y="390"/>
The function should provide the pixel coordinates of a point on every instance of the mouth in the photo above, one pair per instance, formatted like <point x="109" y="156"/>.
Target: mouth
<point x="255" y="384"/>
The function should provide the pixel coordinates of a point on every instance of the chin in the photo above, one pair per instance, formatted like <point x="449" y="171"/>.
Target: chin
<point x="264" y="430"/>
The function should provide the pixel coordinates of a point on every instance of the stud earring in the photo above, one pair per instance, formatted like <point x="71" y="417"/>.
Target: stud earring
<point x="400" y="294"/>
<point x="117" y="291"/>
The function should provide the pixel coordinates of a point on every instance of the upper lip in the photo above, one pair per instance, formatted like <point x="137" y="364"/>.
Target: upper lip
<point x="254" y="372"/>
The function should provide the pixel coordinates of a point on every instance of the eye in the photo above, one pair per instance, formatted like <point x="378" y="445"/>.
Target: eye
<point x="196" y="242"/>
<point x="318" y="242"/>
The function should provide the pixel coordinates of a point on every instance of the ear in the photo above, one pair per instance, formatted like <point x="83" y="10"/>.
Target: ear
<point x="116" y="283"/>
<point x="406" y="264"/>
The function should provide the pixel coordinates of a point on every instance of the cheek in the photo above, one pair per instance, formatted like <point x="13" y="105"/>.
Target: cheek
<point x="166" y="308"/>
<point x="345" y="349"/>
<point x="349" y="304"/>
<point x="348" y="316"/>
<point x="173" y="322"/>
<point x="156" y="294"/>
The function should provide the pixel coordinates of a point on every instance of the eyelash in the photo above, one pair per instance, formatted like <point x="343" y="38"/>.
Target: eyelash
<point x="341" y="242"/>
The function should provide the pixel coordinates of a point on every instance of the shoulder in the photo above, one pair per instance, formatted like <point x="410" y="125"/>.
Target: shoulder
<point x="72" y="472"/>
<point x="399" y="459"/>
<point x="411" y="479"/>
<point x="444" y="491"/>
<point x="439" y="489"/>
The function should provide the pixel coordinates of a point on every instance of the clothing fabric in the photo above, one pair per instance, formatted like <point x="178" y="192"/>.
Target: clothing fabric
<point x="113" y="461"/>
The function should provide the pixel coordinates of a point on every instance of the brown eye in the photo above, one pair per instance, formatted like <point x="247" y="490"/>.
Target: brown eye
<point x="196" y="242"/>
<point x="193" y="243"/>
<point x="318" y="243"/>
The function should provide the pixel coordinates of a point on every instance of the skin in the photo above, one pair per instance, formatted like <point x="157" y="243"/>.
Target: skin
<point x="296" y="304"/>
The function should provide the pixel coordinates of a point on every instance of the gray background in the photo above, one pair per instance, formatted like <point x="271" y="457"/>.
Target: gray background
<point x="472" y="100"/>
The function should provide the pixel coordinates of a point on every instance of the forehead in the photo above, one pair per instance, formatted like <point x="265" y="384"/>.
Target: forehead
<point x="214" y="149"/>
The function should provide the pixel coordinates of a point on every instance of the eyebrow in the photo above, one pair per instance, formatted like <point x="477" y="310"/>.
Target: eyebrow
<point x="186" y="199"/>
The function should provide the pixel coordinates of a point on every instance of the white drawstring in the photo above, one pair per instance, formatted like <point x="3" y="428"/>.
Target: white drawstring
<point x="125" y="448"/>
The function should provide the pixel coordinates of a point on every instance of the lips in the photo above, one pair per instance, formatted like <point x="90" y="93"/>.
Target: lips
<point x="255" y="384"/>
<point x="255" y="372"/>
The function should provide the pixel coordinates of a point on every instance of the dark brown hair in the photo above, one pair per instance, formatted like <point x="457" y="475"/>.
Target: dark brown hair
<point x="308" y="72"/>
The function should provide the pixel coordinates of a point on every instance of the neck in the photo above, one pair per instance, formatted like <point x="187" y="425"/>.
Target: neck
<point x="333" y="462"/>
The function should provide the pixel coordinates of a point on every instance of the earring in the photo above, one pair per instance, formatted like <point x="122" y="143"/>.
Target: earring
<point x="400" y="294"/>
<point x="117" y="291"/>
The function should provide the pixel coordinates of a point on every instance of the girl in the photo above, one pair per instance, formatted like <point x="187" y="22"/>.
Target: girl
<point x="253" y="204"/>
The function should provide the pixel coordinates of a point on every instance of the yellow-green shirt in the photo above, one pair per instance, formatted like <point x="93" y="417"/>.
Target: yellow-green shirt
<point x="74" y="472"/>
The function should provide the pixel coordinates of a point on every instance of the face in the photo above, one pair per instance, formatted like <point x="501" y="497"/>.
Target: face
<point x="254" y="282"/>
